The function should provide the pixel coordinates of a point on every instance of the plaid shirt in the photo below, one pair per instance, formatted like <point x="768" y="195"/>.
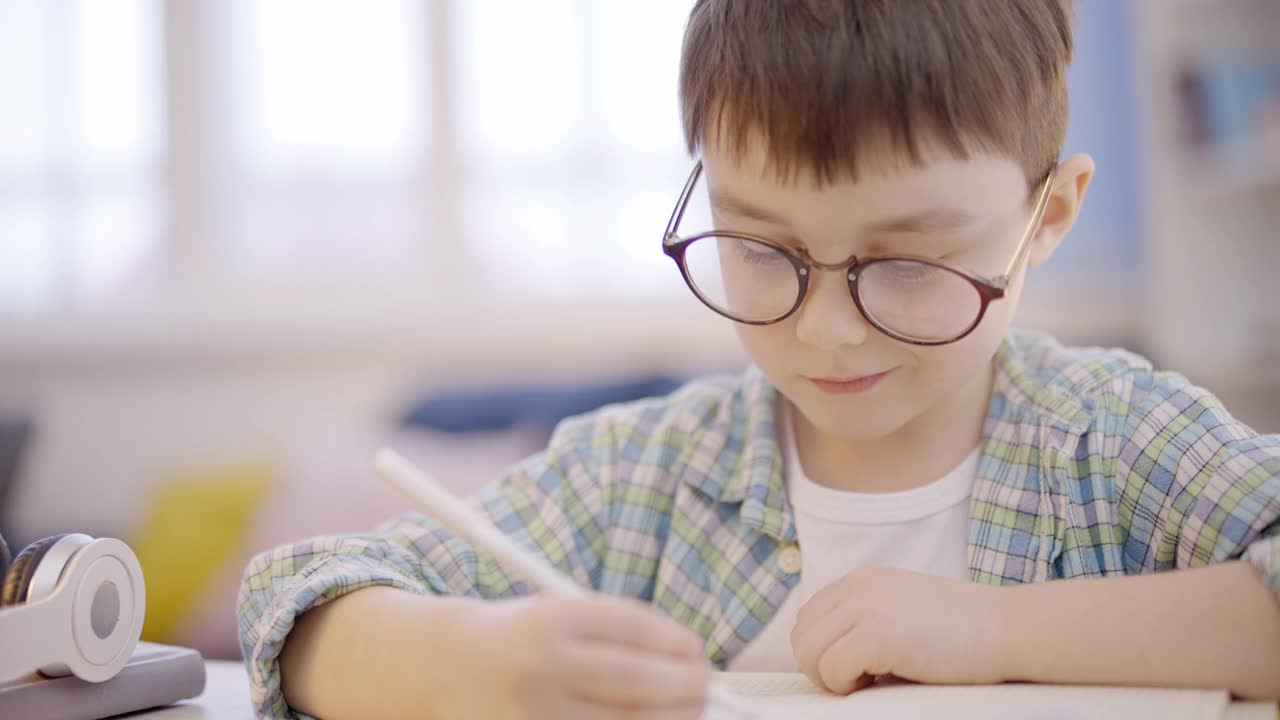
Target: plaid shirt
<point x="1092" y="464"/>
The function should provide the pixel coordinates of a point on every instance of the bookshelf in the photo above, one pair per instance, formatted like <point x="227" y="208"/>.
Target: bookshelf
<point x="1210" y="182"/>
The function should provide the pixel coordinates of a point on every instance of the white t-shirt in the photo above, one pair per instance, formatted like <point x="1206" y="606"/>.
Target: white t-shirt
<point x="925" y="529"/>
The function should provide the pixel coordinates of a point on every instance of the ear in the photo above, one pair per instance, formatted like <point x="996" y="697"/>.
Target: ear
<point x="1066" y="198"/>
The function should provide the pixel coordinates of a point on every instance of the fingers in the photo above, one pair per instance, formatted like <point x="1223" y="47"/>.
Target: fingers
<point x="836" y="650"/>
<point x="624" y="653"/>
<point x="851" y="663"/>
<point x="633" y="624"/>
<point x="587" y="709"/>
<point x="822" y="603"/>
<point x="614" y="675"/>
<point x="814" y="634"/>
<point x="690" y="712"/>
<point x="838" y="593"/>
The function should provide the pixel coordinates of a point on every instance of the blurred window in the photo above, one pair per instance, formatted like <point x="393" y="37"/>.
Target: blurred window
<point x="82" y="141"/>
<point x="538" y="143"/>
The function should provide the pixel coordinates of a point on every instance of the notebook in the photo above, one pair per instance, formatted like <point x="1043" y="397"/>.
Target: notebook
<point x="791" y="696"/>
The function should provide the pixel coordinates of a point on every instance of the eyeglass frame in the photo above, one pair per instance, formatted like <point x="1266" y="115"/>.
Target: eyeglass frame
<point x="988" y="289"/>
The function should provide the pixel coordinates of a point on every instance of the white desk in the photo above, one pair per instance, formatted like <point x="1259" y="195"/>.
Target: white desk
<point x="226" y="697"/>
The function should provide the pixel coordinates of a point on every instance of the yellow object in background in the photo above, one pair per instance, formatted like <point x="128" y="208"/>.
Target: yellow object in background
<point x="196" y="520"/>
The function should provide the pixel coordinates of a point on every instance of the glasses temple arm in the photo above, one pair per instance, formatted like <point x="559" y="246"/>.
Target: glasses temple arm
<point x="1037" y="216"/>
<point x="677" y="214"/>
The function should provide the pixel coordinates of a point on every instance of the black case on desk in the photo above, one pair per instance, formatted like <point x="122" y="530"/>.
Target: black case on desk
<point x="156" y="675"/>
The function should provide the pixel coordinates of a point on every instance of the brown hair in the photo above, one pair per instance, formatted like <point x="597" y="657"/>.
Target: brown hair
<point x="825" y="81"/>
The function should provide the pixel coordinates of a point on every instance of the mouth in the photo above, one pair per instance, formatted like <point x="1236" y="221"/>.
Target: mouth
<point x="848" y="385"/>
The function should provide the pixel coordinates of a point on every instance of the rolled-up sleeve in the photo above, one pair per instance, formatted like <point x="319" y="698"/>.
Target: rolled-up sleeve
<point x="1196" y="485"/>
<point x="550" y="503"/>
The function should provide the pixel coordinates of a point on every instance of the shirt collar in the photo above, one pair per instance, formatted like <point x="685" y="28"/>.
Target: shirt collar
<point x="1028" y="384"/>
<point x="736" y="457"/>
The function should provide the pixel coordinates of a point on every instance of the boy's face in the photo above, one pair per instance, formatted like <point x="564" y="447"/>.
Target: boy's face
<point x="970" y="213"/>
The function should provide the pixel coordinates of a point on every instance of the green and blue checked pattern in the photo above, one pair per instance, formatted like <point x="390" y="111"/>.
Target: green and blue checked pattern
<point x="1093" y="464"/>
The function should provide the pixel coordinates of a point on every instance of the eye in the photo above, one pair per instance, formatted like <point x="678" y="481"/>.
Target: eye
<point x="909" y="272"/>
<point x="754" y="254"/>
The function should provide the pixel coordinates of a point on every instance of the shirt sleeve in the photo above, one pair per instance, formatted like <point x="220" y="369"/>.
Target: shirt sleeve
<point x="1195" y="485"/>
<point x="550" y="503"/>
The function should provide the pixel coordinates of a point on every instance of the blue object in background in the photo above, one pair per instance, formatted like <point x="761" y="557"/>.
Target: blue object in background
<point x="539" y="407"/>
<point x="1235" y="91"/>
<point x="1103" y="123"/>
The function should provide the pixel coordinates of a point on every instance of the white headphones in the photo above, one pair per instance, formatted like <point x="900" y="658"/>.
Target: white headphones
<point x="70" y="605"/>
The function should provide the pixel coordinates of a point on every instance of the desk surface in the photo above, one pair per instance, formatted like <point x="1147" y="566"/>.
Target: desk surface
<point x="226" y="697"/>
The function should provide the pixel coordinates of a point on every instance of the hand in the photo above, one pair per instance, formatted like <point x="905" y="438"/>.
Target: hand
<point x="581" y="656"/>
<point x="886" y="621"/>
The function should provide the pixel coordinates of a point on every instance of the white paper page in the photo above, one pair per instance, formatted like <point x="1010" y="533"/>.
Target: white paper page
<point x="792" y="697"/>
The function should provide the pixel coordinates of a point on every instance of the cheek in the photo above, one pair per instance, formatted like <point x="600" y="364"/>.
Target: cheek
<point x="977" y="348"/>
<point x="767" y="344"/>
<point x="947" y="366"/>
<point x="757" y="339"/>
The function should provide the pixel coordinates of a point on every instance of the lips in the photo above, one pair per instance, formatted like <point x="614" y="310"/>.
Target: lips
<point x="848" y="385"/>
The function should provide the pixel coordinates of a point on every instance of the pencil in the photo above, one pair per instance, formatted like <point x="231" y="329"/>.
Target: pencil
<point x="461" y="520"/>
<point x="456" y="516"/>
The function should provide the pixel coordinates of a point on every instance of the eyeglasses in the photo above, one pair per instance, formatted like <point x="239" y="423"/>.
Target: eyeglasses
<point x="918" y="300"/>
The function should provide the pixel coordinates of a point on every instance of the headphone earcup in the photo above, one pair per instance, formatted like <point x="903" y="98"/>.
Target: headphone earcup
<point x="17" y="579"/>
<point x="80" y="605"/>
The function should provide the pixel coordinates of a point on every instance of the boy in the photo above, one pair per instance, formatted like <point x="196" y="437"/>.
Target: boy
<point x="887" y="490"/>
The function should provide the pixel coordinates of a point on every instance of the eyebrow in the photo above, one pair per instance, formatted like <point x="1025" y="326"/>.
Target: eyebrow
<point x="743" y="209"/>
<point x="923" y="223"/>
<point x="927" y="221"/>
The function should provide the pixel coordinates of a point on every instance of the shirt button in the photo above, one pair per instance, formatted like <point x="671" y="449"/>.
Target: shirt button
<point x="790" y="560"/>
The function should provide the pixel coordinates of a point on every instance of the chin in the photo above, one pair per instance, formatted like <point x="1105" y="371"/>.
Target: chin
<point x="859" y="421"/>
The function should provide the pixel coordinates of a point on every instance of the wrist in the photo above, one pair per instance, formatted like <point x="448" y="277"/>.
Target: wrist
<point x="1010" y="633"/>
<point x="398" y="649"/>
<point x="435" y="646"/>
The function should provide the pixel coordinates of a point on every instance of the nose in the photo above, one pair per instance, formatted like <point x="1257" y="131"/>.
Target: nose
<point x="828" y="318"/>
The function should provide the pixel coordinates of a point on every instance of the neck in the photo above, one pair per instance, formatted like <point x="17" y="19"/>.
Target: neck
<point x="921" y="451"/>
